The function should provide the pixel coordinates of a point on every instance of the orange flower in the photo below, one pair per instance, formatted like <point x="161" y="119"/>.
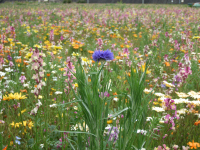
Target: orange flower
<point x="199" y="60"/>
<point x="150" y="85"/>
<point x="193" y="144"/>
<point x="174" y="61"/>
<point x="48" y="74"/>
<point x="115" y="93"/>
<point x="7" y="51"/>
<point x="18" y="60"/>
<point x="193" y="111"/>
<point x="23" y="91"/>
<point x="114" y="36"/>
<point x="25" y="63"/>
<point x="135" y="35"/>
<point x="5" y="148"/>
<point x="90" y="52"/>
<point x="197" y="123"/>
<point x="128" y="74"/>
<point x="76" y="46"/>
<point x="167" y="64"/>
<point x="61" y="69"/>
<point x="121" y="46"/>
<point x="59" y="57"/>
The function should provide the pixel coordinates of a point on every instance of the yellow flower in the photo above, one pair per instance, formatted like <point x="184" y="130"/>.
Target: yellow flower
<point x="109" y="121"/>
<point x="36" y="31"/>
<point x="28" y="55"/>
<point x="168" y="84"/>
<point x="75" y="54"/>
<point x="58" y="47"/>
<point x="12" y="124"/>
<point x="19" y="96"/>
<point x="17" y="125"/>
<point x="53" y="89"/>
<point x="11" y="143"/>
<point x="14" y="96"/>
<point x="22" y="112"/>
<point x="10" y="40"/>
<point x="24" y="123"/>
<point x="5" y="98"/>
<point x="54" y="52"/>
<point x="36" y="45"/>
<point x="119" y="77"/>
<point x="58" y="115"/>
<point x="118" y="57"/>
<point x="76" y="84"/>
<point x="30" y="125"/>
<point x="143" y="69"/>
<point x="196" y="37"/>
<point x="155" y="103"/>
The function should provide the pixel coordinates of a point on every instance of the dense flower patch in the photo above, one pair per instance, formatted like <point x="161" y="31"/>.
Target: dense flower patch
<point x="112" y="77"/>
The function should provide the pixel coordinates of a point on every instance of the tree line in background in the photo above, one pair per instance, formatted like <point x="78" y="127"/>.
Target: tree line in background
<point x="113" y="1"/>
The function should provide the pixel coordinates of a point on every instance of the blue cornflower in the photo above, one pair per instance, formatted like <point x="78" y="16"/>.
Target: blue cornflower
<point x="163" y="86"/>
<point x="102" y="55"/>
<point x="17" y="141"/>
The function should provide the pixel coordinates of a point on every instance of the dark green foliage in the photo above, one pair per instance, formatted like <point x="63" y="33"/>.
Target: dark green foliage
<point x="67" y="1"/>
<point x="81" y="1"/>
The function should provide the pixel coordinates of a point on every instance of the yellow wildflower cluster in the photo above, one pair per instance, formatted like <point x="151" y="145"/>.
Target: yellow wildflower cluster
<point x="24" y="123"/>
<point x="15" y="96"/>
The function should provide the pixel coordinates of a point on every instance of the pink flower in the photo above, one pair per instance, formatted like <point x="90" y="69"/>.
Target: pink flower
<point x="22" y="78"/>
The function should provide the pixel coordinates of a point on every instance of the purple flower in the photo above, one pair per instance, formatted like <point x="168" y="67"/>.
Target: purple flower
<point x="113" y="134"/>
<point x="103" y="55"/>
<point x="9" y="57"/>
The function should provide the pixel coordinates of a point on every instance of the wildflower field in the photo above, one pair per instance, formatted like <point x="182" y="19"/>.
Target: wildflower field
<point x="99" y="77"/>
